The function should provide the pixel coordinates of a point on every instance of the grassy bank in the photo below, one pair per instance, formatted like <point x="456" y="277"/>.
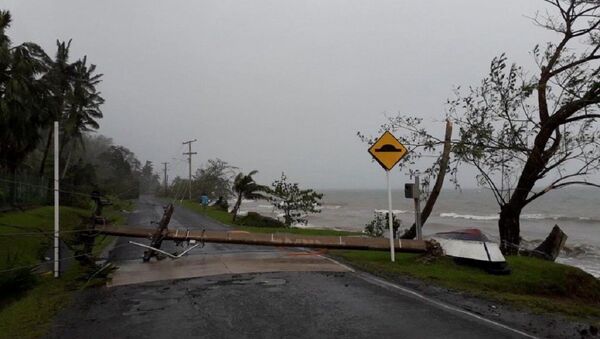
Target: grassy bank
<point x="26" y="310"/>
<point x="537" y="285"/>
<point x="226" y="218"/>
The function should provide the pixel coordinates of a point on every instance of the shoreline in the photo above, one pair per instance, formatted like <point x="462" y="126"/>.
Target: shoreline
<point x="578" y="251"/>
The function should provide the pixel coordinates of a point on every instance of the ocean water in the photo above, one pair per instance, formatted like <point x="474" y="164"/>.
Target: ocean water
<point x="576" y="211"/>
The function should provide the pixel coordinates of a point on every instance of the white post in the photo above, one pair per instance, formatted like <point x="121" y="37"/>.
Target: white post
<point x="390" y="223"/>
<point x="56" y="204"/>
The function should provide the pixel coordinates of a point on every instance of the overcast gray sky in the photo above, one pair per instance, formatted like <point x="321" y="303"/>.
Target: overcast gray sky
<point x="278" y="85"/>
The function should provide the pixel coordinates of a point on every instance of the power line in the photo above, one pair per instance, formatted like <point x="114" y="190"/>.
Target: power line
<point x="62" y="259"/>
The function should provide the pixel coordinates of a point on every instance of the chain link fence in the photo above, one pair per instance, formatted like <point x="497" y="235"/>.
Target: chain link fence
<point x="22" y="189"/>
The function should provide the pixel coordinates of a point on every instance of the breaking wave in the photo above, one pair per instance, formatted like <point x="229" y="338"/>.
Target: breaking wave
<point x="393" y="211"/>
<point x="531" y="216"/>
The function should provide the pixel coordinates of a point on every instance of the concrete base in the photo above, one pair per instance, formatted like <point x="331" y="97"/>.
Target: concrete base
<point x="135" y="271"/>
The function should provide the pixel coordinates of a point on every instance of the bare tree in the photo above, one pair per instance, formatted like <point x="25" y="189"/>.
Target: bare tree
<point x="529" y="135"/>
<point x="519" y="131"/>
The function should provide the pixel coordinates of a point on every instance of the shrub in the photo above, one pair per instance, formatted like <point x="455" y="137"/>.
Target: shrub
<point x="257" y="220"/>
<point x="379" y="225"/>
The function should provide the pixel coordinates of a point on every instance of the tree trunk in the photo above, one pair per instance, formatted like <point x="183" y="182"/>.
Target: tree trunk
<point x="236" y="207"/>
<point x="439" y="182"/>
<point x="509" y="227"/>
<point x="64" y="172"/>
<point x="510" y="213"/>
<point x="46" y="150"/>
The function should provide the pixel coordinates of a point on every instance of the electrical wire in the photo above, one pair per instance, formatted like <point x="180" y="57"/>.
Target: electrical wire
<point x="50" y="261"/>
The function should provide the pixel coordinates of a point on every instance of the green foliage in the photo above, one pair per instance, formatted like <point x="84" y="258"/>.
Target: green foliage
<point x="149" y="181"/>
<point x="257" y="220"/>
<point x="222" y="204"/>
<point x="120" y="172"/>
<point x="214" y="179"/>
<point x="22" y="95"/>
<point x="35" y="91"/>
<point x="295" y="203"/>
<point x="379" y="225"/>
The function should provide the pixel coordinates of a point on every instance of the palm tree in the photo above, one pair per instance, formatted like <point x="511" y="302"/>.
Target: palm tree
<point x="82" y="107"/>
<point x="59" y="79"/>
<point x="244" y="186"/>
<point x="21" y="92"/>
<point x="21" y="98"/>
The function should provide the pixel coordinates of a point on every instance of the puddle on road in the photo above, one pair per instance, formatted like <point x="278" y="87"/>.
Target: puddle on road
<point x="249" y="281"/>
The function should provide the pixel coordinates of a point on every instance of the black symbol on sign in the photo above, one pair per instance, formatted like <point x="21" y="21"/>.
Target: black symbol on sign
<point x="388" y="148"/>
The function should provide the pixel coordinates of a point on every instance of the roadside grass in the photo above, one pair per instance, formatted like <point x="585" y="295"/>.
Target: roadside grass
<point x="30" y="316"/>
<point x="27" y="313"/>
<point x="226" y="218"/>
<point x="538" y="285"/>
<point x="30" y="247"/>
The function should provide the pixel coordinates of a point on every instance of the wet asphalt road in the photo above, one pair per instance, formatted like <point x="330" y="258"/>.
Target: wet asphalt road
<point x="260" y="305"/>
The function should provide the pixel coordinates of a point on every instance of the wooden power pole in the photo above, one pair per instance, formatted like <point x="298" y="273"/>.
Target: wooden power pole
<point x="166" y="178"/>
<point x="189" y="154"/>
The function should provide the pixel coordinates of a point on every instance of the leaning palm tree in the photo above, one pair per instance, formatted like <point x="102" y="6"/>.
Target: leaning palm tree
<point x="82" y="108"/>
<point x="59" y="79"/>
<point x="244" y="186"/>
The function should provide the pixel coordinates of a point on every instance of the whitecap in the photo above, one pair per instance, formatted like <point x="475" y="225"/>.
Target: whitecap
<point x="469" y="216"/>
<point x="393" y="211"/>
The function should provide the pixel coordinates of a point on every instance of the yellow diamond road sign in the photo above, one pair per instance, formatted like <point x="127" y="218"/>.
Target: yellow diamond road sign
<point x="388" y="151"/>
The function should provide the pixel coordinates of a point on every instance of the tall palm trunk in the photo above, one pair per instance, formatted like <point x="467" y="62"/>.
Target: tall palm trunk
<point x="46" y="150"/>
<point x="67" y="162"/>
<point x="236" y="207"/>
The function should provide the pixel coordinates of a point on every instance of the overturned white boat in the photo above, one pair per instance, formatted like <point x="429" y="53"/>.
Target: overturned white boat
<point x="471" y="247"/>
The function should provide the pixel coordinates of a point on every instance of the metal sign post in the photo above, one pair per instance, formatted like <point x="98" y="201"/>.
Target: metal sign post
<point x="390" y="220"/>
<point x="388" y="151"/>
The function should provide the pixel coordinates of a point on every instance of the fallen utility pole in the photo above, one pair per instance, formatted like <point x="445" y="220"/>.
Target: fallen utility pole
<point x="160" y="233"/>
<point x="268" y="239"/>
<point x="189" y="153"/>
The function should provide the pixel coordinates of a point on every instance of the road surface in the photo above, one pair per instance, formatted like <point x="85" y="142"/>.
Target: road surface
<point x="322" y="299"/>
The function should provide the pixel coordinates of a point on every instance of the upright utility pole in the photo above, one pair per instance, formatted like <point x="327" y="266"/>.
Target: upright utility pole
<point x="417" y="197"/>
<point x="189" y="154"/>
<point x="166" y="178"/>
<point x="56" y="205"/>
